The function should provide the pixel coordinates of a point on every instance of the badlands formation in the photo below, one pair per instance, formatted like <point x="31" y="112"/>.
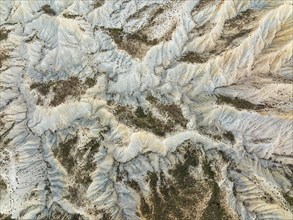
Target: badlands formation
<point x="137" y="109"/>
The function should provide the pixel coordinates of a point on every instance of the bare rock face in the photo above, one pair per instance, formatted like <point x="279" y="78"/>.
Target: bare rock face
<point x="135" y="109"/>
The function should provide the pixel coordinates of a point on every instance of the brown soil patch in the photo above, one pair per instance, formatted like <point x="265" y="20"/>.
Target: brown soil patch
<point x="62" y="89"/>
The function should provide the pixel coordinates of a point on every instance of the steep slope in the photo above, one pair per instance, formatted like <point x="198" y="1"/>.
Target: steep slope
<point x="133" y="109"/>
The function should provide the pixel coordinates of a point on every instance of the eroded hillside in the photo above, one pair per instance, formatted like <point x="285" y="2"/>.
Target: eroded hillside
<point x="135" y="109"/>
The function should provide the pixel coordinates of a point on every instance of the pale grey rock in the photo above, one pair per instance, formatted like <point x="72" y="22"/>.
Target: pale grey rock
<point x="128" y="109"/>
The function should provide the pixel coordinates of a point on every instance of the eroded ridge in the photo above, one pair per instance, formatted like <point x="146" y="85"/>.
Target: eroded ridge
<point x="155" y="110"/>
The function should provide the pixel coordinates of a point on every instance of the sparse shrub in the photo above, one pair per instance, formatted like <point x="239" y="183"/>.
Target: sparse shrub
<point x="3" y="34"/>
<point x="140" y="113"/>
<point x="141" y="120"/>
<point x="69" y="16"/>
<point x="99" y="3"/>
<point x="2" y="184"/>
<point x="90" y="82"/>
<point x="238" y="103"/>
<point x="229" y="135"/>
<point x="48" y="10"/>
<point x="193" y="57"/>
<point x="3" y="56"/>
<point x="63" y="153"/>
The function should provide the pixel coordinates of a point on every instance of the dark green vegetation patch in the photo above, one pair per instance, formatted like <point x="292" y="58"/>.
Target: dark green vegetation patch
<point x="142" y="38"/>
<point x="5" y="217"/>
<point x="240" y="20"/>
<point x="83" y="166"/>
<point x="238" y="103"/>
<point x="3" y="53"/>
<point x="119" y="36"/>
<point x="4" y="34"/>
<point x="229" y="135"/>
<point x="57" y="212"/>
<point x="70" y="16"/>
<point x="141" y="120"/>
<point x="289" y="199"/>
<point x="43" y="88"/>
<point x="83" y="174"/>
<point x="90" y="82"/>
<point x="3" y="56"/>
<point x="202" y="4"/>
<point x="79" y="163"/>
<point x="193" y="57"/>
<point x="237" y="27"/>
<point x="3" y="185"/>
<point x="136" y="44"/>
<point x="63" y="88"/>
<point x="48" y="10"/>
<point x="98" y="3"/>
<point x="216" y="134"/>
<point x="63" y="153"/>
<point x="146" y="121"/>
<point x="172" y="111"/>
<point x="181" y="196"/>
